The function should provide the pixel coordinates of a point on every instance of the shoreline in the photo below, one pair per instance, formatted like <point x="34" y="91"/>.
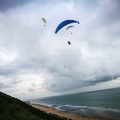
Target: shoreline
<point x="67" y="115"/>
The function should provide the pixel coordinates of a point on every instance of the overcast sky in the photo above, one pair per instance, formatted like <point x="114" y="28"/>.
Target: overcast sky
<point x="35" y="62"/>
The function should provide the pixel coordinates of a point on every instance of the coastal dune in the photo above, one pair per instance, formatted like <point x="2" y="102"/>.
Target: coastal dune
<point x="67" y="115"/>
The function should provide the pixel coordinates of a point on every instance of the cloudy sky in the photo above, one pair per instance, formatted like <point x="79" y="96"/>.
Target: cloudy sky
<point x="35" y="62"/>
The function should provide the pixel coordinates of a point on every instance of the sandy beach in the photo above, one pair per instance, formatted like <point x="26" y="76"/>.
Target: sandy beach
<point x="67" y="115"/>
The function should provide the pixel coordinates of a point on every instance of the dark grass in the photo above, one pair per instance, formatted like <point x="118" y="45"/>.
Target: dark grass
<point x="14" y="109"/>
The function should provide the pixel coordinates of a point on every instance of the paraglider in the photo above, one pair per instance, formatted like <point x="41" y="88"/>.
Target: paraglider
<point x="69" y="42"/>
<point x="69" y="27"/>
<point x="43" y="19"/>
<point x="64" y="23"/>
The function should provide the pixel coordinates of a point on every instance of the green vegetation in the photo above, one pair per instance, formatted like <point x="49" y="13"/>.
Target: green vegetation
<point x="14" y="109"/>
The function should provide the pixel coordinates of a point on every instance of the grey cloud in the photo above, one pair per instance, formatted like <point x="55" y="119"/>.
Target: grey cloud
<point x="6" y="71"/>
<point x="108" y="17"/>
<point x="16" y="80"/>
<point x="31" y="90"/>
<point x="9" y="4"/>
<point x="4" y="85"/>
<point x="73" y="72"/>
<point x="33" y="84"/>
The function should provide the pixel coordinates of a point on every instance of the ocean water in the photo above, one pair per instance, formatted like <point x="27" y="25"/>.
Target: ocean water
<point x="104" y="103"/>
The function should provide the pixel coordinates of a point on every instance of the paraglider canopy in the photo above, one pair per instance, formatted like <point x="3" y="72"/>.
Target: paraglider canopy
<point x="69" y="27"/>
<point x="64" y="23"/>
<point x="43" y="19"/>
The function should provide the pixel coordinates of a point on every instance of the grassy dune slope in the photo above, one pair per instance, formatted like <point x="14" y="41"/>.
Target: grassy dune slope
<point x="14" y="109"/>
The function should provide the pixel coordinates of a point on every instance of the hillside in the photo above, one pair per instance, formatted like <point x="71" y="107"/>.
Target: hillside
<point x="14" y="109"/>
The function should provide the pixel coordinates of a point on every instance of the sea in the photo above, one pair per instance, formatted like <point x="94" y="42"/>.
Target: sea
<point x="103" y="103"/>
